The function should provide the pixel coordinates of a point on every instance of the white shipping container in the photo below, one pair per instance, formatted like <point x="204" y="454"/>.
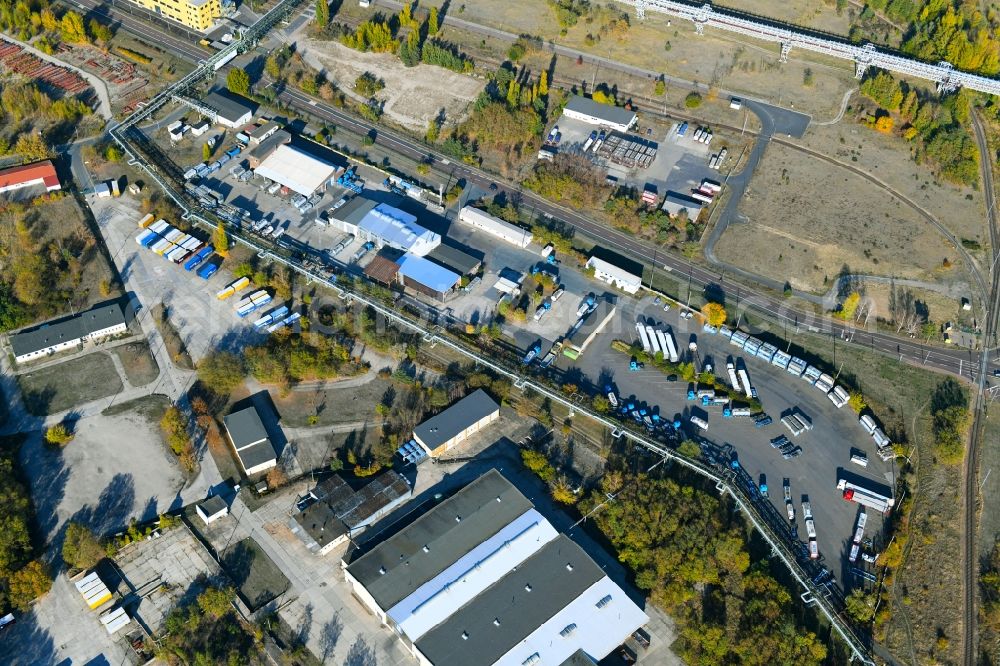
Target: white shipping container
<point x="654" y="344"/>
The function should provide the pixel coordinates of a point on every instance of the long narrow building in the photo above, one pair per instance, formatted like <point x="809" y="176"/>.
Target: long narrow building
<point x="483" y="578"/>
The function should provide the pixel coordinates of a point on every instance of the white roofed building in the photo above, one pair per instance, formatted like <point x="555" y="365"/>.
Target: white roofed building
<point x="494" y="226"/>
<point x="615" y="276"/>
<point x="605" y="115"/>
<point x="297" y="170"/>
<point x="483" y="578"/>
<point x="386" y="225"/>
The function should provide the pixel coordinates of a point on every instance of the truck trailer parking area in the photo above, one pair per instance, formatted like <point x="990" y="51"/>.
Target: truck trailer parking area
<point x="826" y="448"/>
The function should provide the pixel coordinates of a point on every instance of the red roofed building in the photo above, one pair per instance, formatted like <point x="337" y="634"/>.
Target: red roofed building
<point x="38" y="173"/>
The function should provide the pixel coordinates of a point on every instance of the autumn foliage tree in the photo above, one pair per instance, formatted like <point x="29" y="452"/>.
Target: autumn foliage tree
<point x="714" y="313"/>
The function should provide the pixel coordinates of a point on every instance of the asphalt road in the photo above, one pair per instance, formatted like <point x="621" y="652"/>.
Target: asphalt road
<point x="956" y="361"/>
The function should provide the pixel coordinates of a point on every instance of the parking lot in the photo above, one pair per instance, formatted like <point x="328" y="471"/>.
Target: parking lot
<point x="826" y="448"/>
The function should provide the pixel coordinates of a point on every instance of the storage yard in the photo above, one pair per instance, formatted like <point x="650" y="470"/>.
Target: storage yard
<point x="15" y="59"/>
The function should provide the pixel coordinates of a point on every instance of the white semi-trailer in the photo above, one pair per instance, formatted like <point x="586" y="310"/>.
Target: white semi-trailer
<point x="733" y="379"/>
<point x="644" y="338"/>
<point x="745" y="379"/>
<point x="654" y="344"/>
<point x="671" y="347"/>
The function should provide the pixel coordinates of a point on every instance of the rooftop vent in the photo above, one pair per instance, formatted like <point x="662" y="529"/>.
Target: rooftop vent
<point x="527" y="588"/>
<point x="465" y="635"/>
<point x="381" y="571"/>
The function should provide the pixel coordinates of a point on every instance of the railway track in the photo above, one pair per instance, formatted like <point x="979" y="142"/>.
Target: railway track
<point x="970" y="494"/>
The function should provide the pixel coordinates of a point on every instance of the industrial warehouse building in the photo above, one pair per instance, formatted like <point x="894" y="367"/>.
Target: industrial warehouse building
<point x="98" y="323"/>
<point x="230" y="112"/>
<point x="42" y="174"/>
<point x="618" y="277"/>
<point x="425" y="276"/>
<point x="296" y="169"/>
<point x="385" y="225"/>
<point x="587" y="110"/>
<point x="248" y="436"/>
<point x="675" y="203"/>
<point x="483" y="578"/>
<point x="455" y="259"/>
<point x="587" y="329"/>
<point x="338" y="512"/>
<point x="262" y="150"/>
<point x="196" y="14"/>
<point x="457" y="423"/>
<point x="505" y="231"/>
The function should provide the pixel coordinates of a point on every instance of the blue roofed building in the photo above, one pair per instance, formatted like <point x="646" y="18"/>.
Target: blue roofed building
<point x="425" y="276"/>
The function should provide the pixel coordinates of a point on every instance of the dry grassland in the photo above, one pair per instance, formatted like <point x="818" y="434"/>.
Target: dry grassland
<point x="808" y="219"/>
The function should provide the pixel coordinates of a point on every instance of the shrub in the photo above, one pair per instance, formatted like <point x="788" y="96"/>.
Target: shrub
<point x="693" y="100"/>
<point x="59" y="435"/>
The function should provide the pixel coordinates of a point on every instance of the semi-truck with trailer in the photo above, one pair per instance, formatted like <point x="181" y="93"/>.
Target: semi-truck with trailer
<point x="699" y="422"/>
<point x="745" y="380"/>
<point x="734" y="380"/>
<point x="865" y="496"/>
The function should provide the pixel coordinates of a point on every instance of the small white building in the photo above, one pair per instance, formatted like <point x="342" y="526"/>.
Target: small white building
<point x="457" y="423"/>
<point x="494" y="226"/>
<point x="254" y="450"/>
<point x="212" y="509"/>
<point x="615" y="276"/>
<point x="605" y="115"/>
<point x="229" y="111"/>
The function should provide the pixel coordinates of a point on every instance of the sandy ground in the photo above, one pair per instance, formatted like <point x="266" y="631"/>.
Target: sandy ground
<point x="807" y="219"/>
<point x="413" y="96"/>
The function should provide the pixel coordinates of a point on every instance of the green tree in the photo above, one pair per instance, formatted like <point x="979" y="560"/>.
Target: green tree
<point x="538" y="463"/>
<point x="221" y="371"/>
<point x="238" y="81"/>
<point x="693" y="100"/>
<point x="884" y="90"/>
<point x="660" y="88"/>
<point x="101" y="33"/>
<point x="562" y="491"/>
<point x="368" y="84"/>
<point x="81" y="548"/>
<point x="432" y="22"/>
<point x="30" y="147"/>
<point x="860" y="606"/>
<point x="322" y="14"/>
<point x="29" y="583"/>
<point x="432" y="132"/>
<point x="215" y="601"/>
<point x="206" y="152"/>
<point x="59" y="435"/>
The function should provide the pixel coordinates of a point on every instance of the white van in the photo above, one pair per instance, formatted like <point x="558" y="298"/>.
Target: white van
<point x="860" y="459"/>
<point x="700" y="422"/>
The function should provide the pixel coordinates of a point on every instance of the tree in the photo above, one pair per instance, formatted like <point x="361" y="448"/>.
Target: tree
<point x="693" y="100"/>
<point x="543" y="84"/>
<point x="72" y="29"/>
<point x="660" y="88"/>
<point x="215" y="601"/>
<point x="884" y="124"/>
<point x="29" y="583"/>
<point x="206" y="152"/>
<point x="220" y="240"/>
<point x="368" y="84"/>
<point x="850" y="306"/>
<point x="538" y="463"/>
<point x="101" y="33"/>
<point x="860" y="606"/>
<point x="689" y="449"/>
<point x="30" y="147"/>
<point x="81" y="548"/>
<point x="238" y="81"/>
<point x="883" y="90"/>
<point x="562" y="491"/>
<point x="432" y="22"/>
<point x="857" y="402"/>
<point x="432" y="132"/>
<point x="322" y="14"/>
<point x="59" y="435"/>
<point x="714" y="313"/>
<point x="221" y="371"/>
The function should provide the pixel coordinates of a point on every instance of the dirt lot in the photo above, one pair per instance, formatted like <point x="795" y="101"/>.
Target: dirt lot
<point x="413" y="95"/>
<point x="59" y="387"/>
<point x="139" y="364"/>
<point x="333" y="405"/>
<point x="803" y="230"/>
<point x="716" y="57"/>
<point x="940" y="306"/>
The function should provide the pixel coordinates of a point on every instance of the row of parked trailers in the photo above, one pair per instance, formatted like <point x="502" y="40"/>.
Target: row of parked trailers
<point x="176" y="246"/>
<point x="657" y="341"/>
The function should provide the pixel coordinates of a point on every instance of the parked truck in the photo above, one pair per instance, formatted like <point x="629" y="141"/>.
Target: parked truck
<point x="671" y="346"/>
<point x="868" y="497"/>
<point x="733" y="379"/>
<point x="654" y="344"/>
<point x="745" y="380"/>
<point x="202" y="255"/>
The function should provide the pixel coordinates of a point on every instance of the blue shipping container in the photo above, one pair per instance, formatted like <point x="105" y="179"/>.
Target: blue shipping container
<point x="198" y="258"/>
<point x="208" y="270"/>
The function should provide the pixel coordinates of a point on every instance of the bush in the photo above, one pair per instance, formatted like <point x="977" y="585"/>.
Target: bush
<point x="368" y="84"/>
<point x="693" y="100"/>
<point x="221" y="372"/>
<point x="59" y="435"/>
<point x="539" y="464"/>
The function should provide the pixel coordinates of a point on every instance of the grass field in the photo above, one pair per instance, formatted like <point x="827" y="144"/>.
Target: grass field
<point x="807" y="219"/>
<point x="138" y="362"/>
<point x="63" y="386"/>
<point x="257" y="578"/>
<point x="150" y="407"/>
